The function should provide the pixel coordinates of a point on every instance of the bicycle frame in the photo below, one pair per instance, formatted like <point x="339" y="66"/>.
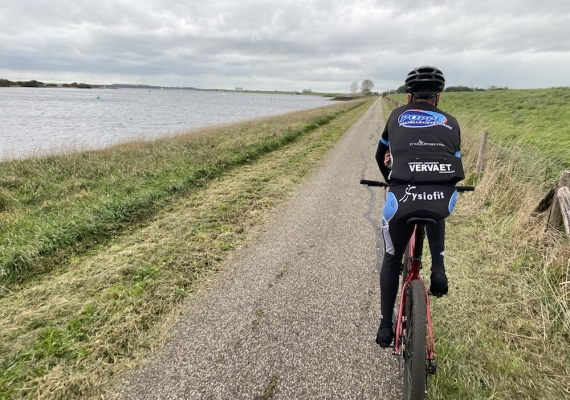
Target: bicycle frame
<point x="413" y="266"/>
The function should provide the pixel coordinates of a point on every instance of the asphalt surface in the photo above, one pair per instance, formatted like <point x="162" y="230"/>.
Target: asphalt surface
<point x="295" y="314"/>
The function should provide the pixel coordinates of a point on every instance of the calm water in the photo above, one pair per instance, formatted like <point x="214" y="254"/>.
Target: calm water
<point x="37" y="121"/>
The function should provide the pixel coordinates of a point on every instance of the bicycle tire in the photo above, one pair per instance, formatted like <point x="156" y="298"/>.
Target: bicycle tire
<point x="415" y="373"/>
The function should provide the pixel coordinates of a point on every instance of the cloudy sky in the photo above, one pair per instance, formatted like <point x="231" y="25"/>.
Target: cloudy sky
<point x="322" y="45"/>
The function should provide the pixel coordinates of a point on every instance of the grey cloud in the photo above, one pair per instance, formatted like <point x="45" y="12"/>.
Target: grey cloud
<point x="325" y="42"/>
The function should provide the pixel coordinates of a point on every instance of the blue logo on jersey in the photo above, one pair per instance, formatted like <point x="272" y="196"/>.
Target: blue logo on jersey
<point x="421" y="119"/>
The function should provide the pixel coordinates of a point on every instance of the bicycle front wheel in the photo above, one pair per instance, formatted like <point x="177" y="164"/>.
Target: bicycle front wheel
<point x="415" y="373"/>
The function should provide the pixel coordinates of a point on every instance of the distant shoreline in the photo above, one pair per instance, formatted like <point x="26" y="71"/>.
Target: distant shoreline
<point x="5" y="83"/>
<point x="334" y="96"/>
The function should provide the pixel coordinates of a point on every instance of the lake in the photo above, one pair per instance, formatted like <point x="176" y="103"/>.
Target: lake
<point x="35" y="121"/>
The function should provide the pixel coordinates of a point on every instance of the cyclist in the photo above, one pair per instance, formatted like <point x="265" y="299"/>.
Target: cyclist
<point x="419" y="155"/>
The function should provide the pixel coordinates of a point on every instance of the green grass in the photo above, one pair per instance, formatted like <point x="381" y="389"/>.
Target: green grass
<point x="532" y="119"/>
<point x="52" y="204"/>
<point x="71" y="330"/>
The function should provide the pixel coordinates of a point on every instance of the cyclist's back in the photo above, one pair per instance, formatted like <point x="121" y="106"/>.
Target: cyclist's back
<point x="424" y="144"/>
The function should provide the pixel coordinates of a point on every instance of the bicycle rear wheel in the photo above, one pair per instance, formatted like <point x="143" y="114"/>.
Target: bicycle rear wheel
<point x="415" y="373"/>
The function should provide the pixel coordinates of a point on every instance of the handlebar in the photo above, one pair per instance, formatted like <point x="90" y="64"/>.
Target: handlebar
<point x="465" y="188"/>
<point x="385" y="185"/>
<point x="374" y="183"/>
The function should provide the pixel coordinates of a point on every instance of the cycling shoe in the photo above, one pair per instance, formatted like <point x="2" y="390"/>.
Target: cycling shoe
<point x="385" y="336"/>
<point x="438" y="286"/>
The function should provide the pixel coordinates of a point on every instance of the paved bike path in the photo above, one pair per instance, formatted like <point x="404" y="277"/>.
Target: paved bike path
<point x="295" y="315"/>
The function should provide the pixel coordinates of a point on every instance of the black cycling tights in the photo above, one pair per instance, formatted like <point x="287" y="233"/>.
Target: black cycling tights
<point x="400" y="233"/>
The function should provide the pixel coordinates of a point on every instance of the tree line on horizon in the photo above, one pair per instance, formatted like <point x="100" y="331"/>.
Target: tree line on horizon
<point x="402" y="89"/>
<point x="364" y="88"/>
<point x="367" y="85"/>
<point x="34" y="83"/>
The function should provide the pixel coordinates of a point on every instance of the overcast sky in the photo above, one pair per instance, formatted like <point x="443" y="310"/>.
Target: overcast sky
<point x="322" y="45"/>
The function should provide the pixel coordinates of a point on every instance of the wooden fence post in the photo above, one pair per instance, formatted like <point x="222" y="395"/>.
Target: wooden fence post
<point x="559" y="205"/>
<point x="564" y="205"/>
<point x="481" y="157"/>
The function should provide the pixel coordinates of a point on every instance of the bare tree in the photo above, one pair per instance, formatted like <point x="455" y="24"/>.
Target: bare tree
<point x="366" y="86"/>
<point x="354" y="87"/>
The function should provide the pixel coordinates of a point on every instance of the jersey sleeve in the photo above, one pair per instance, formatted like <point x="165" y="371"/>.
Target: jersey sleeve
<point x="383" y="147"/>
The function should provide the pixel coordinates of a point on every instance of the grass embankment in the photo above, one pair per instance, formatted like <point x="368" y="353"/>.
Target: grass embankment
<point x="99" y="247"/>
<point x="504" y="330"/>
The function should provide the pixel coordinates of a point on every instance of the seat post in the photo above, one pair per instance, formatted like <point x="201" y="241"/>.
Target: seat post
<point x="420" y="233"/>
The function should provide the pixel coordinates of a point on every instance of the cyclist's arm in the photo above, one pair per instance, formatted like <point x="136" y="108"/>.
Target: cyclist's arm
<point x="459" y="142"/>
<point x="383" y="147"/>
<point x="458" y="151"/>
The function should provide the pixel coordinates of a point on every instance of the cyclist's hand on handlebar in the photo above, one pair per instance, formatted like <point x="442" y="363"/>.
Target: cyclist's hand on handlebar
<point x="387" y="160"/>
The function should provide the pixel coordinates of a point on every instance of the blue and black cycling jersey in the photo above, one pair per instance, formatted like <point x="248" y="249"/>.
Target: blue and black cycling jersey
<point x="424" y="144"/>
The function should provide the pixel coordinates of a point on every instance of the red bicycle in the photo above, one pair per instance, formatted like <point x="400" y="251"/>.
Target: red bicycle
<point x="414" y="323"/>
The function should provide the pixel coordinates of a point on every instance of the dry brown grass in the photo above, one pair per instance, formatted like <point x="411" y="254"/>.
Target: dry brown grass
<point x="503" y="331"/>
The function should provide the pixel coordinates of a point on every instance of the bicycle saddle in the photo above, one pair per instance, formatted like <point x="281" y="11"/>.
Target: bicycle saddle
<point x="424" y="221"/>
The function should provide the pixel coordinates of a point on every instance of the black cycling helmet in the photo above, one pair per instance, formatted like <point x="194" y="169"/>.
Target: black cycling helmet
<point x="425" y="82"/>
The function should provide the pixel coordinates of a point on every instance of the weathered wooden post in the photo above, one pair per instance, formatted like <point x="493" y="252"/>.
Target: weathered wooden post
<point x="481" y="157"/>
<point x="564" y="205"/>
<point x="560" y="210"/>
